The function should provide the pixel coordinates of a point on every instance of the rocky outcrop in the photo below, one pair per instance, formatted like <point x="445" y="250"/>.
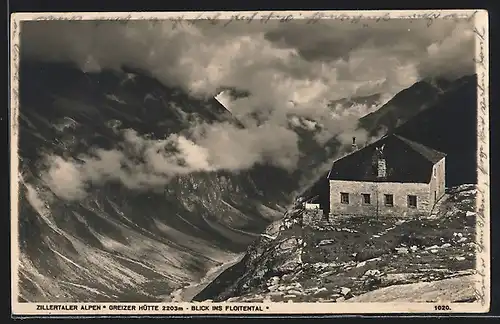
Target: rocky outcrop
<point x="277" y="253"/>
<point x="354" y="256"/>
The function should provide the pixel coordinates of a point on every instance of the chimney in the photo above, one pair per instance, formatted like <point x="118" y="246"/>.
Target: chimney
<point x="381" y="169"/>
<point x="381" y="166"/>
<point x="354" y="146"/>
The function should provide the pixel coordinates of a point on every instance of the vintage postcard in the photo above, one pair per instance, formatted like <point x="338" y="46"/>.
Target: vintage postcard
<point x="297" y="162"/>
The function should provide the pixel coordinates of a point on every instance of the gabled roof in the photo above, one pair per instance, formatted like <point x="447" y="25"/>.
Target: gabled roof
<point x="427" y="152"/>
<point x="406" y="161"/>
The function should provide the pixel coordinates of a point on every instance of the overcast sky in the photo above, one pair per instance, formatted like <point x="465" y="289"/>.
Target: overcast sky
<point x="291" y="68"/>
<point x="337" y="57"/>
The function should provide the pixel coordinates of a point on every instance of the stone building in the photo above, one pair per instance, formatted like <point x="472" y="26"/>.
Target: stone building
<point x="391" y="177"/>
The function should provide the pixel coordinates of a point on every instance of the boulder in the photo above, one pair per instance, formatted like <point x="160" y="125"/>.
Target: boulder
<point x="372" y="273"/>
<point x="361" y="264"/>
<point x="274" y="280"/>
<point x="288" y="244"/>
<point x="402" y="250"/>
<point x="321" y="292"/>
<point x="289" y="265"/>
<point x="345" y="291"/>
<point x="295" y="292"/>
<point x="273" y="288"/>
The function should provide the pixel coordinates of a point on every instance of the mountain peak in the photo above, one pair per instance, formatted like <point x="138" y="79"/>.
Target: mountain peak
<point x="410" y="101"/>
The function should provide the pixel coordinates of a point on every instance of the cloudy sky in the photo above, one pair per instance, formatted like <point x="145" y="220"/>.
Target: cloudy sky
<point x="292" y="68"/>
<point x="330" y="59"/>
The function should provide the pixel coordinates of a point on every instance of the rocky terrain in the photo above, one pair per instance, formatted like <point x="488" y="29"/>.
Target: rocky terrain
<point x="359" y="259"/>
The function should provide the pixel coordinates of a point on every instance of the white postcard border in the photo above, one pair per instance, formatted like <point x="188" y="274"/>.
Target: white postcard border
<point x="483" y="196"/>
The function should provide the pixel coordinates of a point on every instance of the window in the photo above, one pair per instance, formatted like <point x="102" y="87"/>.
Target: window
<point x="366" y="199"/>
<point x="412" y="201"/>
<point x="389" y="200"/>
<point x="435" y="168"/>
<point x="344" y="198"/>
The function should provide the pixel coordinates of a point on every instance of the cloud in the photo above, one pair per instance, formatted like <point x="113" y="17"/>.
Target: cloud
<point x="409" y="43"/>
<point x="292" y="71"/>
<point x="64" y="178"/>
<point x="232" y="148"/>
<point x="142" y="163"/>
<point x="448" y="56"/>
<point x="274" y="62"/>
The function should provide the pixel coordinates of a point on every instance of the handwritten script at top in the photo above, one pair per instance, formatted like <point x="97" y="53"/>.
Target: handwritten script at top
<point x="218" y="19"/>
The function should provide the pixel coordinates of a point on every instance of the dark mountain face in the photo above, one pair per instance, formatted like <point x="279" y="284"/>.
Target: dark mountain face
<point x="117" y="243"/>
<point x="450" y="126"/>
<point x="405" y="105"/>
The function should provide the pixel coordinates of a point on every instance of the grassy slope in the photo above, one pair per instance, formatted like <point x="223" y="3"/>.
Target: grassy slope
<point x="353" y="256"/>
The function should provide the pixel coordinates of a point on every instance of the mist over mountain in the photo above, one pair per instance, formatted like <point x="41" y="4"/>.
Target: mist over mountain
<point x="106" y="187"/>
<point x="153" y="154"/>
<point x="122" y="174"/>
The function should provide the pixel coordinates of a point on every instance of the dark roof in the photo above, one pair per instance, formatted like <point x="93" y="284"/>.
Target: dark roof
<point x="427" y="152"/>
<point x="406" y="161"/>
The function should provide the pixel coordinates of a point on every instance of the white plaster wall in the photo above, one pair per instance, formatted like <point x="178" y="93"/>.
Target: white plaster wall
<point x="438" y="180"/>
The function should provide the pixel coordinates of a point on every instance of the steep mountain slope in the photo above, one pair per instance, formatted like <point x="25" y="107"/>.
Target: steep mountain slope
<point x="406" y="104"/>
<point x="147" y="242"/>
<point x="450" y="126"/>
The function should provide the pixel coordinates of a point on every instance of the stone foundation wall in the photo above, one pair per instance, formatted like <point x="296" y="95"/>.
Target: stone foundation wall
<point x="314" y="217"/>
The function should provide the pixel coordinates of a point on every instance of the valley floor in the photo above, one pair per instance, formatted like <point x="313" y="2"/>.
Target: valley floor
<point x="187" y="293"/>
